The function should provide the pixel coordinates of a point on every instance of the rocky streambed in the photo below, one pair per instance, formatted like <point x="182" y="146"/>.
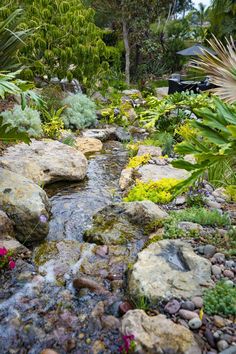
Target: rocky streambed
<point x="96" y="272"/>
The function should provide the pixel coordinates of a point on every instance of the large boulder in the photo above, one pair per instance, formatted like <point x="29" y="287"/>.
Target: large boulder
<point x="45" y="161"/>
<point x="26" y="204"/>
<point x="157" y="334"/>
<point x="88" y="145"/>
<point x="169" y="268"/>
<point x="151" y="172"/>
<point x="124" y="223"/>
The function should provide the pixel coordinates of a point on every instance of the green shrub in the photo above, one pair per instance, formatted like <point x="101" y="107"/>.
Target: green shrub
<point x="231" y="191"/>
<point x="27" y="120"/>
<point x="80" y="112"/>
<point x="221" y="300"/>
<point x="137" y="161"/>
<point x="157" y="192"/>
<point x="203" y="216"/>
<point x="53" y="123"/>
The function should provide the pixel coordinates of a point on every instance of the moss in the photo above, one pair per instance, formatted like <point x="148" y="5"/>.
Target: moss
<point x="137" y="161"/>
<point x="44" y="252"/>
<point x="157" y="192"/>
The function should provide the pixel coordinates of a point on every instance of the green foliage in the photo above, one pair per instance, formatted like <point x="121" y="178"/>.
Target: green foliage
<point x="80" y="112"/>
<point x="137" y="161"/>
<point x="53" y="123"/>
<point x="10" y="134"/>
<point x="27" y="120"/>
<point x="70" y="140"/>
<point x="157" y="192"/>
<point x="65" y="41"/>
<point x="141" y="303"/>
<point x="11" y="40"/>
<point x="203" y="216"/>
<point x="171" y="229"/>
<point x="221" y="300"/>
<point x="213" y="148"/>
<point x="231" y="191"/>
<point x="164" y="109"/>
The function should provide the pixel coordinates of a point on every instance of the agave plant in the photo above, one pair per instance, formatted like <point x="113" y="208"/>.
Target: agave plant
<point x="221" y="68"/>
<point x="214" y="146"/>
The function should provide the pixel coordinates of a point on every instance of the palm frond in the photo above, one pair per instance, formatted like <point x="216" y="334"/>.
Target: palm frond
<point x="220" y="67"/>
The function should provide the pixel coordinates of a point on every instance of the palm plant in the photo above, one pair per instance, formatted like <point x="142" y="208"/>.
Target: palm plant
<point x="221" y="68"/>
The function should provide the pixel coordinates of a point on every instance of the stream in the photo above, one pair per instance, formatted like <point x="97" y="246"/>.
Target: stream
<point x="35" y="313"/>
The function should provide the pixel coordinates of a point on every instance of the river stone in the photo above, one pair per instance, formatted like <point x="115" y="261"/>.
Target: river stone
<point x="45" y="161"/>
<point x="155" y="173"/>
<point x="169" y="268"/>
<point x="25" y="203"/>
<point x="111" y="133"/>
<point x="157" y="334"/>
<point x="154" y="151"/>
<point x="88" y="145"/>
<point x="123" y="223"/>
<point x="6" y="225"/>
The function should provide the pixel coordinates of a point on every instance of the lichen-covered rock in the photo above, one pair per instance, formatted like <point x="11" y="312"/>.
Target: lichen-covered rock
<point x="88" y="145"/>
<point x="45" y="161"/>
<point x="124" y="223"/>
<point x="154" y="151"/>
<point x="157" y="334"/>
<point x="169" y="268"/>
<point x="155" y="172"/>
<point x="26" y="204"/>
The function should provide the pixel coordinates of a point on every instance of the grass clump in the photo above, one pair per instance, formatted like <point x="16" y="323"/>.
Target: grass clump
<point x="203" y="216"/>
<point x="137" y="161"/>
<point x="157" y="192"/>
<point x="221" y="300"/>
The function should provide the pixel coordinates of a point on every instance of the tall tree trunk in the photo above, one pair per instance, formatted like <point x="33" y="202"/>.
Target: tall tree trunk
<point x="127" y="51"/>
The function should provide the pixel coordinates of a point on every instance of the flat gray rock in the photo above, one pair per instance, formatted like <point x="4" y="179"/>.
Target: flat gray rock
<point x="169" y="268"/>
<point x="155" y="173"/>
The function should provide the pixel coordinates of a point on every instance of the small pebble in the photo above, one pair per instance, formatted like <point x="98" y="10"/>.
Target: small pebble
<point x="195" y="323"/>
<point x="222" y="345"/>
<point x="198" y="301"/>
<point x="230" y="350"/>
<point x="219" y="257"/>
<point x="228" y="273"/>
<point x="188" y="305"/>
<point x="219" y="321"/>
<point x="210" y="338"/>
<point x="209" y="251"/>
<point x="172" y="307"/>
<point x="201" y="249"/>
<point x="229" y="264"/>
<point x="216" y="270"/>
<point x="125" y="307"/>
<point x="187" y="315"/>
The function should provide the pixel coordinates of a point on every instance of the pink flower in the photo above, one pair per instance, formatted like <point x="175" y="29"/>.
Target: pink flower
<point x="43" y="219"/>
<point x="3" y="251"/>
<point x="12" y="264"/>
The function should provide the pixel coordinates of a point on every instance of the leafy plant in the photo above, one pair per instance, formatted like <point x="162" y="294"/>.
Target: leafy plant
<point x="213" y="148"/>
<point x="221" y="68"/>
<point x="221" y="300"/>
<point x="6" y="260"/>
<point x="27" y="120"/>
<point x="231" y="191"/>
<point x="203" y="216"/>
<point x="80" y="112"/>
<point x="10" y="134"/>
<point x="141" y="302"/>
<point x="11" y="40"/>
<point x="53" y="122"/>
<point x="157" y="192"/>
<point x="137" y="161"/>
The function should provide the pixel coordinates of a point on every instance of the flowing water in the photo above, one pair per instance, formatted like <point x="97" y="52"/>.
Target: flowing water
<point x="37" y="314"/>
